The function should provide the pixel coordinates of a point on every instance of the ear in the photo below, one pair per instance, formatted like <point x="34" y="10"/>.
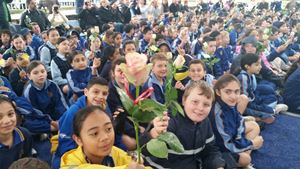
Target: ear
<point x="218" y="92"/>
<point x="85" y="91"/>
<point x="77" y="140"/>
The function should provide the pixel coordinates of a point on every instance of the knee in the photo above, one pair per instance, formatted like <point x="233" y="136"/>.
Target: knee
<point x="244" y="159"/>
<point x="252" y="126"/>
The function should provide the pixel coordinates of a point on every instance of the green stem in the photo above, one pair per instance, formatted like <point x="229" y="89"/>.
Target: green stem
<point x="136" y="128"/>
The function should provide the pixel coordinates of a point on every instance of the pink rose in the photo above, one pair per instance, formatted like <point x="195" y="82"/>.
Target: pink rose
<point x="136" y="69"/>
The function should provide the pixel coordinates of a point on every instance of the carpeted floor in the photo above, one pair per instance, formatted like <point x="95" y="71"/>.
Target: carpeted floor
<point x="281" y="148"/>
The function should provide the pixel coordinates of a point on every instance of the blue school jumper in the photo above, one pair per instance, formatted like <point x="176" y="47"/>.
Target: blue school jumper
<point x="5" y="82"/>
<point x="78" y="80"/>
<point x="199" y="146"/>
<point x="291" y="92"/>
<point x="256" y="107"/>
<point x="48" y="99"/>
<point x="229" y="128"/>
<point x="223" y="64"/>
<point x="159" y="90"/>
<point x="143" y="46"/>
<point x="16" y="81"/>
<point x="21" y="148"/>
<point x="216" y="68"/>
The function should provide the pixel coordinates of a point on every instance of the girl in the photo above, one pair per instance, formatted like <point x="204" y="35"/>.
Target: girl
<point x="94" y="48"/>
<point x="234" y="136"/>
<point x="81" y="74"/>
<point x="291" y="92"/>
<point x="94" y="133"/>
<point x="118" y="42"/>
<point x="15" y="142"/>
<point x="111" y="53"/>
<point x="60" y="66"/>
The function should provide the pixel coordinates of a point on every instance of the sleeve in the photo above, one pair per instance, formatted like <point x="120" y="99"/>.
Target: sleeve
<point x="56" y="74"/>
<point x="45" y="57"/>
<point x="75" y="86"/>
<point x="237" y="143"/>
<point x="218" y="70"/>
<point x="244" y="84"/>
<point x="211" y="156"/>
<point x="6" y="82"/>
<point x="60" y="105"/>
<point x="16" y="82"/>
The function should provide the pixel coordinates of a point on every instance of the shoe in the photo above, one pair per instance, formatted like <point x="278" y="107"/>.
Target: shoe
<point x="250" y="166"/>
<point x="280" y="108"/>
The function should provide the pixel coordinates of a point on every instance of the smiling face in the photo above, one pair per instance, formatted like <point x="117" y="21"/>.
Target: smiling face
<point x="79" y="62"/>
<point x="38" y="75"/>
<point x="8" y="118"/>
<point x="96" y="95"/>
<point x="196" y="105"/>
<point x="96" y="136"/>
<point x="230" y="93"/>
<point x="64" y="47"/>
<point x="196" y="72"/>
<point x="160" y="68"/>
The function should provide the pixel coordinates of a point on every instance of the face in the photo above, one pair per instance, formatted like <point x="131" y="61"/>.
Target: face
<point x="22" y="61"/>
<point x="96" y="95"/>
<point x="284" y="28"/>
<point x="129" y="48"/>
<point x="5" y="38"/>
<point x="53" y="37"/>
<point x="19" y="43"/>
<point x="119" y="75"/>
<point x="250" y="48"/>
<point x="116" y="54"/>
<point x="230" y="93"/>
<point x="254" y="68"/>
<point x="96" y="136"/>
<point x="28" y="39"/>
<point x="79" y="62"/>
<point x="36" y="29"/>
<point x="164" y="49"/>
<point x="45" y="37"/>
<point x="8" y="118"/>
<point x="211" y="47"/>
<point x="110" y="39"/>
<point x="160" y="68"/>
<point x="218" y="40"/>
<point x="196" y="72"/>
<point x="118" y="40"/>
<point x="38" y="75"/>
<point x="197" y="106"/>
<point x="96" y="43"/>
<point x="148" y="36"/>
<point x="226" y="40"/>
<point x="32" y="5"/>
<point x="63" y="47"/>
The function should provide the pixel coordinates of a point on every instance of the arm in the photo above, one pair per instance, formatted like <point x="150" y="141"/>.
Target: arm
<point x="75" y="85"/>
<point x="60" y="103"/>
<point x="56" y="74"/>
<point x="45" y="57"/>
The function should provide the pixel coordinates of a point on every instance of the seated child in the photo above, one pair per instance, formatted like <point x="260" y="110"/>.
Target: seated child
<point x="144" y="43"/>
<point x="5" y="39"/>
<point x="60" y="66"/>
<point x="29" y="163"/>
<point x="15" y="142"/>
<point x="18" y="77"/>
<point x="194" y="132"/>
<point x="110" y="53"/>
<point x="81" y="74"/>
<point x="157" y="77"/>
<point x="94" y="134"/>
<point x="234" y="136"/>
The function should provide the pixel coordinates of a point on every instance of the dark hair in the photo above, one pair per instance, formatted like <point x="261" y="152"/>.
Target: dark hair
<point x="72" y="55"/>
<point x="29" y="163"/>
<point x="6" y="31"/>
<point x="61" y="39"/>
<point x="208" y="39"/>
<point x="28" y="2"/>
<point x="292" y="69"/>
<point x="128" y="28"/>
<point x="109" y="51"/>
<point x="212" y="22"/>
<point x="146" y="30"/>
<point x="214" y="34"/>
<point x="17" y="36"/>
<point x="33" y="65"/>
<point x="248" y="59"/>
<point x="50" y="30"/>
<point x="128" y="42"/>
<point x="109" y="33"/>
<point x="116" y="34"/>
<point x="224" y="80"/>
<point x="81" y="116"/>
<point x="97" y="81"/>
<point x="4" y="99"/>
<point x="117" y="62"/>
<point x="197" y="61"/>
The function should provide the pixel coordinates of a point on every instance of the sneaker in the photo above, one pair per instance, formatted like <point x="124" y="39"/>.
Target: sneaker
<point x="280" y="108"/>
<point x="250" y="166"/>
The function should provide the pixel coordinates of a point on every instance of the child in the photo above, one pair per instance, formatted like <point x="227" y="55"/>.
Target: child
<point x="108" y="39"/>
<point x="94" y="135"/>
<point x="94" y="50"/>
<point x="234" y="136"/>
<point x="111" y="53"/>
<point x="194" y="132"/>
<point x="60" y="66"/>
<point x="157" y="77"/>
<point x="17" y="76"/>
<point x="48" y="50"/>
<point x="5" y="39"/>
<point x="81" y="74"/>
<point x="145" y="41"/>
<point x="260" y="106"/>
<point x="95" y="93"/>
<point x="15" y="142"/>
<point x="118" y="41"/>
<point x="129" y="46"/>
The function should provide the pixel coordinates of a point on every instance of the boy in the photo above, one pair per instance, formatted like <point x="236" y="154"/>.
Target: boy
<point x="157" y="77"/>
<point x="145" y="41"/>
<point x="5" y="38"/>
<point x="95" y="93"/>
<point x="194" y="132"/>
<point x="129" y="46"/>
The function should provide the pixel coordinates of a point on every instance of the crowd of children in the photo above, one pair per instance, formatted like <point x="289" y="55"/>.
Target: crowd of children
<point x="58" y="89"/>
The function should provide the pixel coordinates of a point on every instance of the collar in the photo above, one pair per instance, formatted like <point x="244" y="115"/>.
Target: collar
<point x="62" y="57"/>
<point x="18" y="137"/>
<point x="46" y="85"/>
<point x="50" y="45"/>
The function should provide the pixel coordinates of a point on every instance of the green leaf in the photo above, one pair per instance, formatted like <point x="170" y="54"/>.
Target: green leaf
<point x="142" y="116"/>
<point x="157" y="148"/>
<point x="172" y="141"/>
<point x="178" y="107"/>
<point x="152" y="106"/>
<point x="126" y="101"/>
<point x="171" y="94"/>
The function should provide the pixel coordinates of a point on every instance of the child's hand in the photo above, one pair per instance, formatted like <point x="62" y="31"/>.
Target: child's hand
<point x="22" y="74"/>
<point x="54" y="126"/>
<point x="135" y="165"/>
<point x="117" y="112"/>
<point x="3" y="88"/>
<point x="179" y="85"/>
<point x="96" y="63"/>
<point x="91" y="55"/>
<point x="160" y="125"/>
<point x="180" y="51"/>
<point x="257" y="142"/>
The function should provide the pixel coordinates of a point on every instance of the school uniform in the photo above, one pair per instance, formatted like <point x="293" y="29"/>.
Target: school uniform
<point x="143" y="46"/>
<point x="199" y="146"/>
<point x="48" y="99"/>
<point x="291" y="92"/>
<point x="47" y="52"/>
<point x="216" y="69"/>
<point x="12" y="52"/>
<point x="106" y="70"/>
<point x="21" y="148"/>
<point x="223" y="64"/>
<point x="16" y="82"/>
<point x="59" y="68"/>
<point x="5" y="82"/>
<point x="159" y="89"/>
<point x="229" y="129"/>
